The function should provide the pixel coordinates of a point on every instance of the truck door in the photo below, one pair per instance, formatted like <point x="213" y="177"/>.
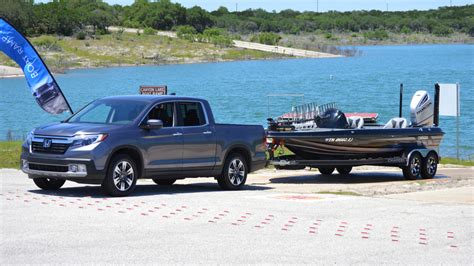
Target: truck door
<point x="199" y="138"/>
<point x="163" y="146"/>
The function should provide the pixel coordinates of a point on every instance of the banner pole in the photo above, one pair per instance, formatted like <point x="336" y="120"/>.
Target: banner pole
<point x="457" y="119"/>
<point x="401" y="101"/>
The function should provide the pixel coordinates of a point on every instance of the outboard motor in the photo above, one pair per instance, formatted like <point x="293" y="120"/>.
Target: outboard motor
<point x="331" y="118"/>
<point x="421" y="109"/>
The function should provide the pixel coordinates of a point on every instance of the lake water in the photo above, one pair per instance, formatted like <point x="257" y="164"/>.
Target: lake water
<point x="238" y="91"/>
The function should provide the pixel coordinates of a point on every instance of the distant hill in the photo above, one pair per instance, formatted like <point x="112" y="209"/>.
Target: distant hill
<point x="72" y="17"/>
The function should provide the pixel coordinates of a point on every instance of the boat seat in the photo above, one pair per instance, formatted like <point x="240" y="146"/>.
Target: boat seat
<point x="397" y="122"/>
<point x="355" y="122"/>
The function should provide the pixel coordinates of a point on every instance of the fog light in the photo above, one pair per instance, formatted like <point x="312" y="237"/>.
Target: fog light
<point x="81" y="168"/>
<point x="73" y="168"/>
<point x="25" y="164"/>
<point x="77" y="168"/>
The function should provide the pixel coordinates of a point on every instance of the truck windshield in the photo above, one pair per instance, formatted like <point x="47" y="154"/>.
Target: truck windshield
<point x="108" y="112"/>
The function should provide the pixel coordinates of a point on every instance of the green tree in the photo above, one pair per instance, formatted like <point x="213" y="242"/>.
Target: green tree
<point x="56" y="18"/>
<point x="19" y="14"/>
<point x="199" y="18"/>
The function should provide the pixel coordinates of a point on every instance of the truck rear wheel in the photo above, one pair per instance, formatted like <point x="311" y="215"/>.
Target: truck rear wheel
<point x="49" y="183"/>
<point x="234" y="174"/>
<point x="164" y="182"/>
<point x="326" y="170"/>
<point x="121" y="177"/>
<point x="429" y="165"/>
<point x="413" y="170"/>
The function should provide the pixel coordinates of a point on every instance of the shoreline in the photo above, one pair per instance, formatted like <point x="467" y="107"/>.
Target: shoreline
<point x="19" y="72"/>
<point x="9" y="72"/>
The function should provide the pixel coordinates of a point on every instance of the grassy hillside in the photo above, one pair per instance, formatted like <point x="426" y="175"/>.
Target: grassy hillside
<point x="125" y="48"/>
<point x="317" y="41"/>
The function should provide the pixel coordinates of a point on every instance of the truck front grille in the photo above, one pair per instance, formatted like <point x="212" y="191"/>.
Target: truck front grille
<point x="47" y="167"/>
<point x="55" y="148"/>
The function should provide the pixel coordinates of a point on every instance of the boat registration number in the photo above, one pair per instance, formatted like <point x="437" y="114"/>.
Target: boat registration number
<point x="339" y="139"/>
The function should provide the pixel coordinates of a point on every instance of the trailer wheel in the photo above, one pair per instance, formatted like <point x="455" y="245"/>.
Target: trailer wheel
<point x="429" y="165"/>
<point x="345" y="170"/>
<point x="326" y="170"/>
<point x="414" y="168"/>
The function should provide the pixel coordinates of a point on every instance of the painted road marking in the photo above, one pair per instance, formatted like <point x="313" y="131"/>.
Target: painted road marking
<point x="144" y="209"/>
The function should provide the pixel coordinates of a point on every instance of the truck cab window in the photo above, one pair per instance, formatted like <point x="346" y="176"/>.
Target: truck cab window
<point x="163" y="112"/>
<point x="190" y="114"/>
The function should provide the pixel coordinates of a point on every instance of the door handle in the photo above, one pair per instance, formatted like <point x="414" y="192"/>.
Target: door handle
<point x="207" y="132"/>
<point x="178" y="134"/>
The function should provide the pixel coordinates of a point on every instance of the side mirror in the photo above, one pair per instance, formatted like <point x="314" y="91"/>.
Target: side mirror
<point x="153" y="124"/>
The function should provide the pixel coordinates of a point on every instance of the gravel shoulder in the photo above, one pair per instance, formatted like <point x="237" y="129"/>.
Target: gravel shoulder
<point x="364" y="181"/>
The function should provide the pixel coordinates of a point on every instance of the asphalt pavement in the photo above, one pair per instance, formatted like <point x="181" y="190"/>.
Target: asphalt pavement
<point x="195" y="222"/>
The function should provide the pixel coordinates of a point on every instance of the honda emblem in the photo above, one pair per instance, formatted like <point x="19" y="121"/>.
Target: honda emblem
<point x="47" y="143"/>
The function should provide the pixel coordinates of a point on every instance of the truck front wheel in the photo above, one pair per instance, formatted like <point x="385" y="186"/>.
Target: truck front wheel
<point x="234" y="174"/>
<point x="121" y="177"/>
<point x="49" y="183"/>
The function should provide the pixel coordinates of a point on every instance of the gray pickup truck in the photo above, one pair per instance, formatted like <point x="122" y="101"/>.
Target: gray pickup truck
<point x="114" y="141"/>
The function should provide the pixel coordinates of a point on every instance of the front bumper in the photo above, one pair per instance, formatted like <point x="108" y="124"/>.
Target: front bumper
<point x="74" y="169"/>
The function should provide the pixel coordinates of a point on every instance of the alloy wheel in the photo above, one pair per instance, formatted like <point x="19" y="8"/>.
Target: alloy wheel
<point x="431" y="166"/>
<point x="415" y="166"/>
<point x="123" y="175"/>
<point x="236" y="172"/>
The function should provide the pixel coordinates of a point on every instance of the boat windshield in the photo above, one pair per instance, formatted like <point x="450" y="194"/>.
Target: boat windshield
<point x="109" y="112"/>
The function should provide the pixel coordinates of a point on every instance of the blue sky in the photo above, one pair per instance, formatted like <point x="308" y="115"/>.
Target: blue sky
<point x="324" y="5"/>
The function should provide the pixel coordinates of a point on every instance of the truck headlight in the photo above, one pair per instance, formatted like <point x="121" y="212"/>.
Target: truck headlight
<point x="85" y="140"/>
<point x="29" y="137"/>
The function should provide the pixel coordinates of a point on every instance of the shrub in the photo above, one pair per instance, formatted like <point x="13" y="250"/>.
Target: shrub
<point x="119" y="33"/>
<point x="101" y="31"/>
<point x="81" y="35"/>
<point x="183" y="31"/>
<point x="221" y="41"/>
<point x="378" y="35"/>
<point x="269" y="38"/>
<point x="405" y="30"/>
<point x="47" y="43"/>
<point x="442" y="31"/>
<point x="149" y="31"/>
<point x="213" y="32"/>
<point x="471" y="31"/>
